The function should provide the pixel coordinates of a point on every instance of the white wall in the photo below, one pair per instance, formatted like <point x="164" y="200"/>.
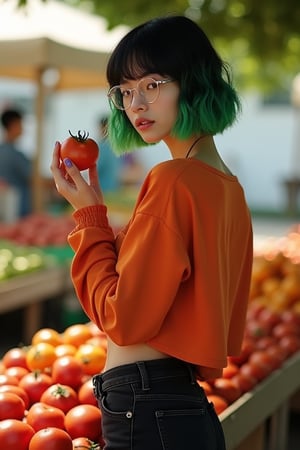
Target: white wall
<point x="258" y="148"/>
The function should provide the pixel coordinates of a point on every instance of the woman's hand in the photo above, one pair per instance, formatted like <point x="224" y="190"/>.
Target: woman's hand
<point x="72" y="186"/>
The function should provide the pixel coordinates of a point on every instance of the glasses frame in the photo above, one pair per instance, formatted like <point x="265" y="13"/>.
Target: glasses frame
<point x="136" y="89"/>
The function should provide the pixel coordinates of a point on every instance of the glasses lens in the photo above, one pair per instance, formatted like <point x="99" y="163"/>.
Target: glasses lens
<point x="149" y="89"/>
<point x="116" y="96"/>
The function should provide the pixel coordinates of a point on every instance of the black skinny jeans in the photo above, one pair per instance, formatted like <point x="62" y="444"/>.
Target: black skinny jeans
<point x="156" y="405"/>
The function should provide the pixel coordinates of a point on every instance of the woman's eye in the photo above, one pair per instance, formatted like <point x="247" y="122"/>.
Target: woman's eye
<point x="151" y="86"/>
<point x="126" y="93"/>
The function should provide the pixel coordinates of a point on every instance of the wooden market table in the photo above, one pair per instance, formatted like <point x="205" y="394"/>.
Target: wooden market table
<point x="28" y="291"/>
<point x="244" y="421"/>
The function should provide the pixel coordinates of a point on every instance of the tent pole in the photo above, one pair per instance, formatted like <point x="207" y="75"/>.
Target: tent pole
<point x="37" y="181"/>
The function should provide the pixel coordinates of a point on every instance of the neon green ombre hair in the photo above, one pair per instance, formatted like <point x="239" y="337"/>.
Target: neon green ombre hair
<point x="177" y="48"/>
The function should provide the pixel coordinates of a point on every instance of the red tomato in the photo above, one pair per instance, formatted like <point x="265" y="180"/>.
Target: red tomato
<point x="11" y="406"/>
<point x="16" y="371"/>
<point x="42" y="416"/>
<point x="8" y="379"/>
<point x="80" y="149"/>
<point x="254" y="370"/>
<point x="83" y="443"/>
<point x="263" y="358"/>
<point x="35" y="384"/>
<point x="285" y="329"/>
<point x="18" y="391"/>
<point x="51" y="439"/>
<point x="244" y="381"/>
<point x="265" y="342"/>
<point x="290" y="344"/>
<point x="84" y="420"/>
<point x="67" y="370"/>
<point x="15" y="357"/>
<point x="86" y="393"/>
<point x="61" y="396"/>
<point x="255" y="329"/>
<point x="277" y="353"/>
<point x="268" y="318"/>
<point x="227" y="389"/>
<point x="15" y="434"/>
<point x="248" y="346"/>
<point x="289" y="316"/>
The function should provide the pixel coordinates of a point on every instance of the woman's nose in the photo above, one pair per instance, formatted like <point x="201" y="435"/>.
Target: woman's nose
<point x="138" y="100"/>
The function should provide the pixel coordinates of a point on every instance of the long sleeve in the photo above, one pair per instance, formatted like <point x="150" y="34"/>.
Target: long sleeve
<point x="118" y="291"/>
<point x="177" y="277"/>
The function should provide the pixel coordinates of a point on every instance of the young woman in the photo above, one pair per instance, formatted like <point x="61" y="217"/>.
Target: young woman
<point x="170" y="290"/>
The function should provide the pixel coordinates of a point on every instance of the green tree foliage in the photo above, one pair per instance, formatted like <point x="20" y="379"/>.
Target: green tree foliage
<point x="259" y="38"/>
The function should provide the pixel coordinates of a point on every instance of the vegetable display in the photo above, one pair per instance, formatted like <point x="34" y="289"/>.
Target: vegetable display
<point x="46" y="390"/>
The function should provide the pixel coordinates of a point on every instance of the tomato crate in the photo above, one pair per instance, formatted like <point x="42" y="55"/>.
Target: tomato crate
<point x="262" y="414"/>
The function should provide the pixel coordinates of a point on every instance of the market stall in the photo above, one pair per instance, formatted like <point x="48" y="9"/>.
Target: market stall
<point x="258" y="389"/>
<point x="70" y="56"/>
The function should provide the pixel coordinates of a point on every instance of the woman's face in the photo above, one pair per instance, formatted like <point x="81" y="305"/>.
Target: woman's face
<point x="155" y="120"/>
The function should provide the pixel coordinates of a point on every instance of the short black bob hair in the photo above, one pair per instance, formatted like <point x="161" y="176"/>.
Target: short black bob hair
<point x="175" y="47"/>
<point x="9" y="116"/>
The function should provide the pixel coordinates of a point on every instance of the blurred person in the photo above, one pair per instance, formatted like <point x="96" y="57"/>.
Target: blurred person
<point x="171" y="289"/>
<point x="15" y="167"/>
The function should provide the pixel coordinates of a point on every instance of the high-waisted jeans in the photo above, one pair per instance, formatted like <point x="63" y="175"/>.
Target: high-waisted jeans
<point x="156" y="405"/>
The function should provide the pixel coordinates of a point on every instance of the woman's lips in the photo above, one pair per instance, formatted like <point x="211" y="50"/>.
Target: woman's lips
<point x="143" y="124"/>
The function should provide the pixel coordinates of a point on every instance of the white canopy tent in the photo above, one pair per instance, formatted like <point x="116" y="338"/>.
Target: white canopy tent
<point x="53" y="34"/>
<point x="53" y="45"/>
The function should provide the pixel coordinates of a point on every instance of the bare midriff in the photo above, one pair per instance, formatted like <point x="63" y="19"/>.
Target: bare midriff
<point x="118" y="355"/>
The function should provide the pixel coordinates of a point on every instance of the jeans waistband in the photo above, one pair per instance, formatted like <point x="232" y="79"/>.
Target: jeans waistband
<point x="144" y="372"/>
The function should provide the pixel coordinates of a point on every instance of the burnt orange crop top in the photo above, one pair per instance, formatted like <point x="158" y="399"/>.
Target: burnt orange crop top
<point x="177" y="277"/>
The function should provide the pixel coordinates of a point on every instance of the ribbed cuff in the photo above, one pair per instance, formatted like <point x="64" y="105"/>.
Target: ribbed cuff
<point x="91" y="216"/>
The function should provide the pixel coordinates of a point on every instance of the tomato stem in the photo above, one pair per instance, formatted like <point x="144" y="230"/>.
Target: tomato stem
<point x="81" y="136"/>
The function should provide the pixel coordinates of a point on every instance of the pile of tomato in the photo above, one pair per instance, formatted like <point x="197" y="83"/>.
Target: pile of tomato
<point x="46" y="391"/>
<point x="270" y="339"/>
<point x="272" y="332"/>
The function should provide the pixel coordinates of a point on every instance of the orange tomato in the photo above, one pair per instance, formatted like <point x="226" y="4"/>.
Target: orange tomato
<point x="77" y="334"/>
<point x="40" y="356"/>
<point x="65" y="349"/>
<point x="98" y="341"/>
<point x="48" y="335"/>
<point x="91" y="357"/>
